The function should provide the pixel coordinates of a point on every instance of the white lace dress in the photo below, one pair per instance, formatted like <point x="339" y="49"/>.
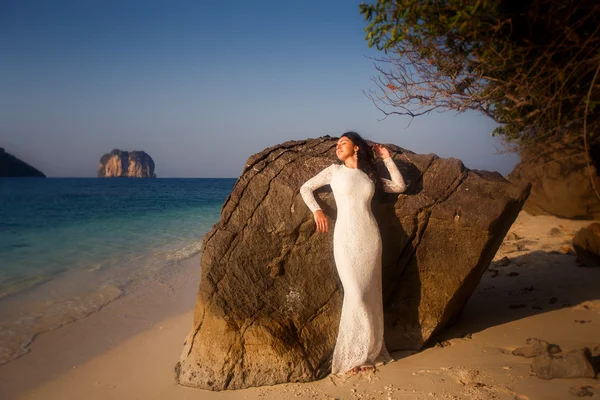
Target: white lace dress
<point x="357" y="254"/>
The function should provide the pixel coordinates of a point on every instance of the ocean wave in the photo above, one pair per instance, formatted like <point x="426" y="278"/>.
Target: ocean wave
<point x="10" y="285"/>
<point x="184" y="253"/>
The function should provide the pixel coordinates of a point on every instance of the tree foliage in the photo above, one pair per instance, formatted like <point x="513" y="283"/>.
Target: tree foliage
<point x="531" y="65"/>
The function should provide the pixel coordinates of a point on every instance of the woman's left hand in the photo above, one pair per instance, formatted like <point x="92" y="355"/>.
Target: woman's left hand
<point x="381" y="151"/>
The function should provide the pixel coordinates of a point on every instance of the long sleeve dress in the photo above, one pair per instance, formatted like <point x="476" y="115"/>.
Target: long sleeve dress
<point x="357" y="254"/>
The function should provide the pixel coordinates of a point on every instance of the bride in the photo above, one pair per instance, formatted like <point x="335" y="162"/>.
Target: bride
<point x="356" y="248"/>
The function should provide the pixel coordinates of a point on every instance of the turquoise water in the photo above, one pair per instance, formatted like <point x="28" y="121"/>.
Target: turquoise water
<point x="111" y="232"/>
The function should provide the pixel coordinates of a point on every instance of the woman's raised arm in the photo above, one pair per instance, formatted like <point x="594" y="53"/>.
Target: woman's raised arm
<point x="397" y="184"/>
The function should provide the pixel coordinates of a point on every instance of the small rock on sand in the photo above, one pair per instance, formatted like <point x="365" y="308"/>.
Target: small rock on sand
<point x="574" y="364"/>
<point x="555" y="232"/>
<point x="566" y="250"/>
<point x="503" y="262"/>
<point x="535" y="347"/>
<point x="512" y="236"/>
<point x="494" y="272"/>
<point x="583" y="391"/>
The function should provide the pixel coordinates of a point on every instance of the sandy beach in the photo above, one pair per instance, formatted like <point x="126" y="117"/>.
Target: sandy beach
<point x="128" y="349"/>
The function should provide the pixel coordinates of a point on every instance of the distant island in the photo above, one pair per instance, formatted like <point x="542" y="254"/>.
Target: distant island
<point x="120" y="164"/>
<point x="11" y="166"/>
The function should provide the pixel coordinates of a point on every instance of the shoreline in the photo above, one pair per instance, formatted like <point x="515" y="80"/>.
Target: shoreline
<point x="72" y="344"/>
<point x="75" y="294"/>
<point x="128" y="350"/>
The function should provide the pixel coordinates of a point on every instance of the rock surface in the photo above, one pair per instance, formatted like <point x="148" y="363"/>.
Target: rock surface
<point x="587" y="245"/>
<point x="560" y="180"/>
<point x="269" y="300"/>
<point x="134" y="164"/>
<point x="11" y="166"/>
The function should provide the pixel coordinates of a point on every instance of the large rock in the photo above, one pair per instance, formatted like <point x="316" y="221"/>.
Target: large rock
<point x="560" y="180"/>
<point x="11" y="166"/>
<point x="269" y="300"/>
<point x="135" y="164"/>
<point x="587" y="245"/>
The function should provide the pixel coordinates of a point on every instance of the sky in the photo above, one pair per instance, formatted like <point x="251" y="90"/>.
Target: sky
<point x="200" y="86"/>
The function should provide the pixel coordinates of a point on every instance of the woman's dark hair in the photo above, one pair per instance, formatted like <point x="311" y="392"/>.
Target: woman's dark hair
<point x="366" y="161"/>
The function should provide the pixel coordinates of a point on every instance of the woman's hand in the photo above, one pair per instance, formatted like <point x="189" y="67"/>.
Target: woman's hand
<point x="381" y="151"/>
<point x="321" y="221"/>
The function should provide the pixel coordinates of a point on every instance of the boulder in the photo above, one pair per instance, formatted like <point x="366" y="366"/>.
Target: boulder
<point x="269" y="301"/>
<point x="134" y="164"/>
<point x="587" y="245"/>
<point x="12" y="167"/>
<point x="560" y="179"/>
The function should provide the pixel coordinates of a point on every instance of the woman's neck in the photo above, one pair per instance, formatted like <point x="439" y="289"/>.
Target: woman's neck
<point x="351" y="162"/>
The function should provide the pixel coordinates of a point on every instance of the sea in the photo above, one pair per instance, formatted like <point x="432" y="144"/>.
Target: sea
<point x="69" y="246"/>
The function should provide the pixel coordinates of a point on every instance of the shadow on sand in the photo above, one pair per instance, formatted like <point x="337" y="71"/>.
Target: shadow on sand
<point x="530" y="284"/>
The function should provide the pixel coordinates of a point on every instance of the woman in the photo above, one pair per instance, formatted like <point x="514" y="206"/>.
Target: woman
<point x="356" y="248"/>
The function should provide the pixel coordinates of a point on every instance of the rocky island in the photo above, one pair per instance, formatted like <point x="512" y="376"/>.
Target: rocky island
<point x="134" y="164"/>
<point x="11" y="166"/>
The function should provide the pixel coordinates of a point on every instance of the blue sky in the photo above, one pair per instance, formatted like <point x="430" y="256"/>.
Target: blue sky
<point x="200" y="86"/>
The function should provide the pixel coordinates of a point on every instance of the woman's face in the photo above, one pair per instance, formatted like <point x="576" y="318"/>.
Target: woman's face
<point x="345" y="148"/>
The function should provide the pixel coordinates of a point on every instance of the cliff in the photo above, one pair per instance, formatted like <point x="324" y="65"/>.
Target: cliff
<point x="11" y="166"/>
<point x="135" y="164"/>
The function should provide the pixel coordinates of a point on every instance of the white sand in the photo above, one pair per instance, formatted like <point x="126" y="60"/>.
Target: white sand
<point x="122" y="352"/>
